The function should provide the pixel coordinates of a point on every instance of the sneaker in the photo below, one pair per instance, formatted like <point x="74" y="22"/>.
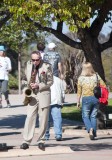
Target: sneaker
<point x="58" y="139"/>
<point x="8" y="104"/>
<point x="94" y="134"/>
<point x="91" y="136"/>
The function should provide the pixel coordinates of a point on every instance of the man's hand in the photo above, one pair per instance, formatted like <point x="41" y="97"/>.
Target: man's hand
<point x="34" y="85"/>
<point x="62" y="76"/>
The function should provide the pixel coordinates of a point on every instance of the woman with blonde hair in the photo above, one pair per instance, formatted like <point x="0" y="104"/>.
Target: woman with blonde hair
<point x="90" y="104"/>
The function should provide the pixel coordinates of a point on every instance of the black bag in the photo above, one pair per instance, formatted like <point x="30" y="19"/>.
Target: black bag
<point x="97" y="89"/>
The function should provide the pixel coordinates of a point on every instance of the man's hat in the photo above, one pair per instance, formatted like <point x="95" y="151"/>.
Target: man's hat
<point x="2" y="48"/>
<point x="51" y="45"/>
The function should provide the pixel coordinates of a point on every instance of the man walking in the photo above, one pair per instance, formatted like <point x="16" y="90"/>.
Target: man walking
<point x="54" y="59"/>
<point x="57" y="91"/>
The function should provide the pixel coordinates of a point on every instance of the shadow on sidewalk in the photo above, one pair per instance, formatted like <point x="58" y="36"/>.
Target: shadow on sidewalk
<point x="91" y="147"/>
<point x="70" y="138"/>
<point x="103" y="138"/>
<point x="9" y="133"/>
<point x="15" y="106"/>
<point x="13" y="122"/>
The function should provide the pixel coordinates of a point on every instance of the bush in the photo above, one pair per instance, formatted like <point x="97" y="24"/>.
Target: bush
<point x="13" y="82"/>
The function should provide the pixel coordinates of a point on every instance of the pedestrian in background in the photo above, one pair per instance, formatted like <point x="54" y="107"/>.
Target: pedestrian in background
<point x="54" y="59"/>
<point x="57" y="100"/>
<point x="8" y="70"/>
<point x="41" y="48"/>
<point x="90" y="104"/>
<point x="5" y="68"/>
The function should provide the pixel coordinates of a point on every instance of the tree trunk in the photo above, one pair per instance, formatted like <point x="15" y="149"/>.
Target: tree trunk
<point x="96" y="61"/>
<point x="19" y="69"/>
<point x="92" y="52"/>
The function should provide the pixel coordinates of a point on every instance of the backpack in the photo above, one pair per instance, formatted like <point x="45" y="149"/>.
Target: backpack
<point x="104" y="95"/>
<point x="101" y="93"/>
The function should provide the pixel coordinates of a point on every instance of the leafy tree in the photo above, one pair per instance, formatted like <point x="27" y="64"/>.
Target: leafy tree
<point x="75" y="13"/>
<point x="16" y="36"/>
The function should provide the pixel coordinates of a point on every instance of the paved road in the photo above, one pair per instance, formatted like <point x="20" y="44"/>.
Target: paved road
<point x="75" y="144"/>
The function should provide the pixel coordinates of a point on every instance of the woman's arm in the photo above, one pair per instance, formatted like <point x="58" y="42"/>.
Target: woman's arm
<point x="79" y="93"/>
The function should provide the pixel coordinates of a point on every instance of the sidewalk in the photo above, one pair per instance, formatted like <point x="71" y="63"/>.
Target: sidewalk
<point x="75" y="137"/>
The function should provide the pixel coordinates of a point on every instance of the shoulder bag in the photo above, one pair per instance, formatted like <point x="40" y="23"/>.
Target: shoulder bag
<point x="97" y="89"/>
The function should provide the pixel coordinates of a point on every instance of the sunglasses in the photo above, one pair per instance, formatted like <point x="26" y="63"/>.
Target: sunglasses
<point x="35" y="60"/>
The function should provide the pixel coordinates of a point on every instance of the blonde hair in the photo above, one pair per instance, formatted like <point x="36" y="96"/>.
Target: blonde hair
<point x="87" y="69"/>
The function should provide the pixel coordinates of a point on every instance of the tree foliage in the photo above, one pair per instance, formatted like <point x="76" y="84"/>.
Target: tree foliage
<point x="44" y="11"/>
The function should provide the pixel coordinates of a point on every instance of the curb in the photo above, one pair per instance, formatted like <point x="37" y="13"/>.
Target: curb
<point x="34" y="151"/>
<point x="81" y="130"/>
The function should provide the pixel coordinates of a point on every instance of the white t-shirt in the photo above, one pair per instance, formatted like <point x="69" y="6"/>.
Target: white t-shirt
<point x="9" y="67"/>
<point x="3" y="68"/>
<point x="42" y="54"/>
<point x="57" y="91"/>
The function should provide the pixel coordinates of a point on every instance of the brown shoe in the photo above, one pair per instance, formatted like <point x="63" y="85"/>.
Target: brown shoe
<point x="41" y="146"/>
<point x="24" y="146"/>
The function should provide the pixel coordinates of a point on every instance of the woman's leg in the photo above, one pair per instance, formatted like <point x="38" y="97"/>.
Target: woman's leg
<point x="86" y="109"/>
<point x="93" y="118"/>
<point x="5" y="92"/>
<point x="0" y="94"/>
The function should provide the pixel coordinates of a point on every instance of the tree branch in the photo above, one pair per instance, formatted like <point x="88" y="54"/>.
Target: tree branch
<point x="99" y="21"/>
<point x="60" y="27"/>
<point x="106" y="44"/>
<point x="58" y="34"/>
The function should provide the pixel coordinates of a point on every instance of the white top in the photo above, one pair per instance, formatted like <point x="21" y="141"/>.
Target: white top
<point x="3" y="68"/>
<point x="42" y="54"/>
<point x="57" y="91"/>
<point x="9" y="67"/>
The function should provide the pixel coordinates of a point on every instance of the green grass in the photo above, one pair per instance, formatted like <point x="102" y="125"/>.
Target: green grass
<point x="109" y="107"/>
<point x="73" y="113"/>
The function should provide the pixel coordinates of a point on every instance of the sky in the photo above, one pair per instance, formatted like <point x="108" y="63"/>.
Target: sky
<point x="105" y="30"/>
<point x="106" y="27"/>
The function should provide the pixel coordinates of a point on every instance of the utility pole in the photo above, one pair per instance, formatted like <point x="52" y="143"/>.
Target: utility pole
<point x="19" y="69"/>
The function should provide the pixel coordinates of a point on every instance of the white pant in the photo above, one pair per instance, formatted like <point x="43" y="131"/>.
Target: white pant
<point x="29" y="128"/>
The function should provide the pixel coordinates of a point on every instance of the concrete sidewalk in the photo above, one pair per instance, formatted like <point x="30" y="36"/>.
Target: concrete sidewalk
<point x="75" y="137"/>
